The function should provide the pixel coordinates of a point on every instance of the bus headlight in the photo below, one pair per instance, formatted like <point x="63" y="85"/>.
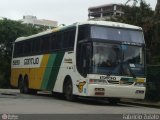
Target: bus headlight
<point x="140" y="84"/>
<point x="97" y="81"/>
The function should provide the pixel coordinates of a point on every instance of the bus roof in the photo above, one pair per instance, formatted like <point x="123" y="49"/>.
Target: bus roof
<point x="112" y="24"/>
<point x="103" y="23"/>
<point x="44" y="33"/>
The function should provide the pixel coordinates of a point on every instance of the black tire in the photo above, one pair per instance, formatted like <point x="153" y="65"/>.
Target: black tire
<point x="113" y="101"/>
<point x="68" y="91"/>
<point x="25" y="85"/>
<point x="20" y="85"/>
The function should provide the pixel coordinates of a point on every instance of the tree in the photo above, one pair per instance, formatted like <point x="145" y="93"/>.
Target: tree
<point x="155" y="49"/>
<point x="9" y="31"/>
<point x="142" y="16"/>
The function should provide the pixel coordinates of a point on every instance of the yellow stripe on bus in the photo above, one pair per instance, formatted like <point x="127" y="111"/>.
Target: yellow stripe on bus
<point x="35" y="75"/>
<point x="39" y="72"/>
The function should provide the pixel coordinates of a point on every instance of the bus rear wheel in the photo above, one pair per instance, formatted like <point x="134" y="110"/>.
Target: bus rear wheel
<point x="20" y="85"/>
<point x="25" y="86"/>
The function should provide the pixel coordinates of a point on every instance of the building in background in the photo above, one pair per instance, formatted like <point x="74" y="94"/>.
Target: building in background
<point x="28" y="19"/>
<point x="104" y="12"/>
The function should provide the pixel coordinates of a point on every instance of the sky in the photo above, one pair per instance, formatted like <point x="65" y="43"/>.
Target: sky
<point x="63" y="11"/>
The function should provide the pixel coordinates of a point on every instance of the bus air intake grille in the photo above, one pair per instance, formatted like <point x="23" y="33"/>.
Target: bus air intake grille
<point x="113" y="82"/>
<point x="127" y="81"/>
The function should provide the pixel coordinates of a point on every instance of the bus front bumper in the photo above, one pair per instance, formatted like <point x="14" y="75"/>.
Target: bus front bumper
<point x="116" y="91"/>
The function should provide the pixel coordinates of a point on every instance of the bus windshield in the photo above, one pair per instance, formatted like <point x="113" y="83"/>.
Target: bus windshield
<point x="117" y="59"/>
<point x="106" y="58"/>
<point x="117" y="34"/>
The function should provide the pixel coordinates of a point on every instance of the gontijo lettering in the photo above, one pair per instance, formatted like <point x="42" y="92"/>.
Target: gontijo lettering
<point x="31" y="61"/>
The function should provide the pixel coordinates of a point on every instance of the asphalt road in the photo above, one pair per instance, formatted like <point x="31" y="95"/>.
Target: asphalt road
<point x="12" y="102"/>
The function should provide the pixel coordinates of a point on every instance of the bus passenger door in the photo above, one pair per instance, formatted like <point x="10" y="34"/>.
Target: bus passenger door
<point x="85" y="54"/>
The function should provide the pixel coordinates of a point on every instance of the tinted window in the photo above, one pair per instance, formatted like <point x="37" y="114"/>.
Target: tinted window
<point x="69" y="38"/>
<point x="34" y="46"/>
<point x="117" y="34"/>
<point x="53" y="42"/>
<point x="27" y="47"/>
<point x="83" y="32"/>
<point x="19" y="49"/>
<point x="57" y="41"/>
<point x="45" y="43"/>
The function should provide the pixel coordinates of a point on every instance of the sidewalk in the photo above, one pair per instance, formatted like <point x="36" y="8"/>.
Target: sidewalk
<point x="9" y="91"/>
<point x="144" y="103"/>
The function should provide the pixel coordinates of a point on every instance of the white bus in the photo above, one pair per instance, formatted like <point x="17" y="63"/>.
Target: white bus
<point x="92" y="59"/>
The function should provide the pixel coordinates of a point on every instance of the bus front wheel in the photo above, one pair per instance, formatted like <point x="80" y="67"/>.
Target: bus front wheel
<point x="68" y="90"/>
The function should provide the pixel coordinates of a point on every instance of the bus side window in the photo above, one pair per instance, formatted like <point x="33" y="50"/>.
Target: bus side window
<point x="59" y="41"/>
<point x="83" y="32"/>
<point x="20" y="46"/>
<point x="66" y="38"/>
<point x="27" y="47"/>
<point x="56" y="42"/>
<point x="71" y="38"/>
<point x="15" y="54"/>
<point x="45" y="44"/>
<point x="41" y="45"/>
<point x="34" y="46"/>
<point x="53" y="43"/>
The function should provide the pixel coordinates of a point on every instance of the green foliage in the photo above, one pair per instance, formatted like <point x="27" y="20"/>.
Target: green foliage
<point x="144" y="17"/>
<point x="156" y="60"/>
<point x="9" y="31"/>
<point x="153" y="83"/>
<point x="155" y="49"/>
<point x="136" y="15"/>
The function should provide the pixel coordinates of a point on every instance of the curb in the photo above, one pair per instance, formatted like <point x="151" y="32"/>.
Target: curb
<point x="145" y="104"/>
